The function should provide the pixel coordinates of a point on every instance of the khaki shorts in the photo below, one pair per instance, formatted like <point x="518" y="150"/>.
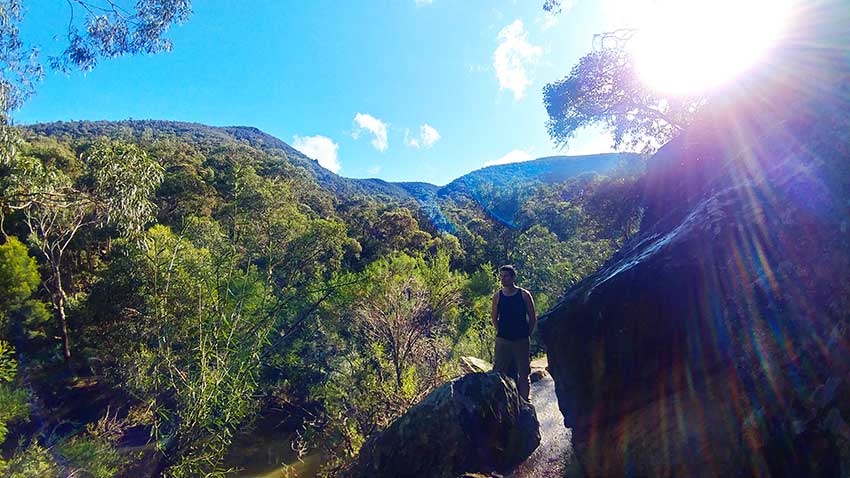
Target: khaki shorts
<point x="512" y="356"/>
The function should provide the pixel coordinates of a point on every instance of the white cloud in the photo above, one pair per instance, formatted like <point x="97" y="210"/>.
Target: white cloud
<point x="428" y="135"/>
<point x="375" y="126"/>
<point x="515" y="156"/>
<point x="422" y="3"/>
<point x="374" y="170"/>
<point x="320" y="148"/>
<point x="511" y="58"/>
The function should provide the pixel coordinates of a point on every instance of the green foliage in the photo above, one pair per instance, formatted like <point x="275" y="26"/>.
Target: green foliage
<point x="91" y="457"/>
<point x="392" y="339"/>
<point x="185" y="190"/>
<point x="14" y="406"/>
<point x="540" y="257"/>
<point x="604" y="88"/>
<point x="34" y="461"/>
<point x="19" y="279"/>
<point x="13" y="401"/>
<point x="476" y="335"/>
<point x="189" y="346"/>
<point x="8" y="365"/>
<point x="113" y="189"/>
<point x="120" y="179"/>
<point x="382" y="229"/>
<point x="572" y="227"/>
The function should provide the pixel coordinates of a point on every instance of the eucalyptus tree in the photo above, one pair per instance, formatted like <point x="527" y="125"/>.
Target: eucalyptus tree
<point x="605" y="88"/>
<point x="55" y="208"/>
<point x="96" y="29"/>
<point x="391" y="337"/>
<point x="114" y="189"/>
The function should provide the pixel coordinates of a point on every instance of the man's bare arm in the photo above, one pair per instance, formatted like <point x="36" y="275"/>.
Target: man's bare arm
<point x="530" y="310"/>
<point x="494" y="310"/>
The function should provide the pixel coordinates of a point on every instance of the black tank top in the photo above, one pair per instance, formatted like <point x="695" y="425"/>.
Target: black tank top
<point x="512" y="322"/>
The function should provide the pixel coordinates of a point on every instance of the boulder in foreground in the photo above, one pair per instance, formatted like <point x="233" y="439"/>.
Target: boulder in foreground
<point x="476" y="423"/>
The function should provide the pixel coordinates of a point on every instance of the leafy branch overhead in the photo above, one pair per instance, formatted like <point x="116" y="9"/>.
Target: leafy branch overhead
<point x="605" y="88"/>
<point x="110" y="30"/>
<point x="96" y="29"/>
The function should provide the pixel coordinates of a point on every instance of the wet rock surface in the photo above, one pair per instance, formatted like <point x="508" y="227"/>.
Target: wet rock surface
<point x="716" y="342"/>
<point x="474" y="424"/>
<point x="554" y="457"/>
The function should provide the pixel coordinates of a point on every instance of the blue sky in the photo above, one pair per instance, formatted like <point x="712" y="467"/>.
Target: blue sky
<point x="403" y="90"/>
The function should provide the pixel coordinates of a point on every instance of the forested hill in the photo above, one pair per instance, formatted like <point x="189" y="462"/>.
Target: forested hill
<point x="499" y="190"/>
<point x="502" y="189"/>
<point x="212" y="137"/>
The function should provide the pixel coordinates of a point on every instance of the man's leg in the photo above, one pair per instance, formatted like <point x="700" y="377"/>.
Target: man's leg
<point x="503" y="356"/>
<point x="522" y="358"/>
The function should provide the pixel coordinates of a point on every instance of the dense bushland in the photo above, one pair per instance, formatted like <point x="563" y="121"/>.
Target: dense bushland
<point x="164" y="290"/>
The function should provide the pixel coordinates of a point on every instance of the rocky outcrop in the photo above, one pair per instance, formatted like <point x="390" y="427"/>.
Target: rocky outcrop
<point x="470" y="364"/>
<point x="476" y="423"/>
<point x="716" y="342"/>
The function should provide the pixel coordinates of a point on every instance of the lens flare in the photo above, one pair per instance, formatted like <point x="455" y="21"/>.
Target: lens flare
<point x="689" y="46"/>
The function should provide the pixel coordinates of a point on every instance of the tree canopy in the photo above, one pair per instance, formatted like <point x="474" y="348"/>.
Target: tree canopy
<point x="605" y="88"/>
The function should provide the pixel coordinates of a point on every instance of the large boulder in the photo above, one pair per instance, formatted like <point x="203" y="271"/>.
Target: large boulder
<point x="476" y="423"/>
<point x="715" y="343"/>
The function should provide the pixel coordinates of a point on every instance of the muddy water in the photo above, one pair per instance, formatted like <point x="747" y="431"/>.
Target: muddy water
<point x="267" y="454"/>
<point x="305" y="468"/>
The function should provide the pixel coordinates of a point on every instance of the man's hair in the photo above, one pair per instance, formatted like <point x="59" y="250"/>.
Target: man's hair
<point x="508" y="268"/>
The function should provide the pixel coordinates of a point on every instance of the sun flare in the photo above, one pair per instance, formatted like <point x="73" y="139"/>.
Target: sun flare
<point x="689" y="46"/>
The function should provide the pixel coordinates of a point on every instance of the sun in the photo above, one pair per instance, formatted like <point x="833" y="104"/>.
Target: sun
<point x="689" y="46"/>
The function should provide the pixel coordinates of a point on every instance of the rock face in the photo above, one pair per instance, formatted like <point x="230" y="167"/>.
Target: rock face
<point x="470" y="364"/>
<point x="716" y="342"/>
<point x="476" y="423"/>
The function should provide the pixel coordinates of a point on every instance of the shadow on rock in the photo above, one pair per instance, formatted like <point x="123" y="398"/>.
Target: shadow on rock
<point x="476" y="423"/>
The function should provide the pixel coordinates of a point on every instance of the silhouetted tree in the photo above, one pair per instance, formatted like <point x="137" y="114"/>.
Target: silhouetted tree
<point x="604" y="88"/>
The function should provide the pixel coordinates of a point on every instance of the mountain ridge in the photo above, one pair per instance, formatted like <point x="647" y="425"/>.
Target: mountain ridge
<point x="498" y="189"/>
<point x="258" y="138"/>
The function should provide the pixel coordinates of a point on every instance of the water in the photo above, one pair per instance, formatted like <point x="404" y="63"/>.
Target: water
<point x="267" y="453"/>
<point x="554" y="457"/>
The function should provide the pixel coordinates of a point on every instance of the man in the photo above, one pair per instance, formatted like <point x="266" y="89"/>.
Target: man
<point x="514" y="318"/>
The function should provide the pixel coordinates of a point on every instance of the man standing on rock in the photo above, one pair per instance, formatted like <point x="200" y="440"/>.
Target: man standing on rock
<point x="514" y="317"/>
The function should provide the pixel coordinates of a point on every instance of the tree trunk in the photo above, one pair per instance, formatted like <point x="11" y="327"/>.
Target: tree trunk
<point x="59" y="300"/>
<point x="397" y="365"/>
